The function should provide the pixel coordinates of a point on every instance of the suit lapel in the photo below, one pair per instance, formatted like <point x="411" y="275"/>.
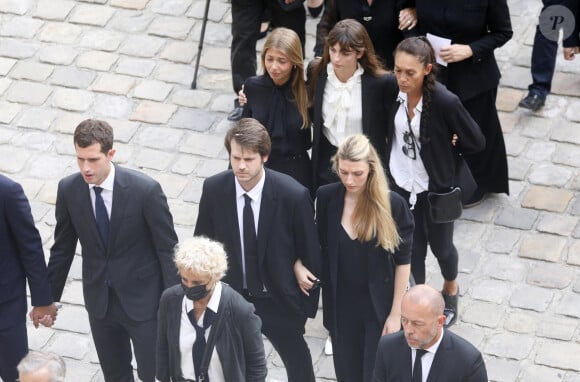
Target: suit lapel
<point x="119" y="205"/>
<point x="441" y="356"/>
<point x="230" y="211"/>
<point x="267" y="212"/>
<point x="83" y="201"/>
<point x="366" y="106"/>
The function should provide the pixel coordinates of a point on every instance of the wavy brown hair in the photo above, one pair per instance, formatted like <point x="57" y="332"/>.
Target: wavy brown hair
<point x="372" y="218"/>
<point x="287" y="41"/>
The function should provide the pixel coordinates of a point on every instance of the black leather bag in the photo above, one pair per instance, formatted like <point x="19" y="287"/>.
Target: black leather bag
<point x="292" y="6"/>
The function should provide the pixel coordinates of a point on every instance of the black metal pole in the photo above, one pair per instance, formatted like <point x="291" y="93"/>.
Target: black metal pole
<point x="200" y="47"/>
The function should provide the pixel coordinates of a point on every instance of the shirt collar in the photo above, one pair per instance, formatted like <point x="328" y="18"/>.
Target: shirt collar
<point x="402" y="99"/>
<point x="256" y="192"/>
<point x="109" y="181"/>
<point x="333" y="79"/>
<point x="433" y="348"/>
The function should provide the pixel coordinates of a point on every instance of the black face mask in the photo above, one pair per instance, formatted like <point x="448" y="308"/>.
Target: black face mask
<point x="195" y="293"/>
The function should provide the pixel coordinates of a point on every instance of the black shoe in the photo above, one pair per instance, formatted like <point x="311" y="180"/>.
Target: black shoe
<point x="533" y="102"/>
<point x="451" y="311"/>
<point x="315" y="11"/>
<point x="236" y="114"/>
<point x="476" y="199"/>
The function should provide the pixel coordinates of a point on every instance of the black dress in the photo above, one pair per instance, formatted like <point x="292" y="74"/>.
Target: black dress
<point x="275" y="108"/>
<point x="484" y="25"/>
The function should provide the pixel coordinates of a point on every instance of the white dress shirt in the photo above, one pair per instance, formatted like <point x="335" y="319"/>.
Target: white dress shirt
<point x="427" y="359"/>
<point x="107" y="193"/>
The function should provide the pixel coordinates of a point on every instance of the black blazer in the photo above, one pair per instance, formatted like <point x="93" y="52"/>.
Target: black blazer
<point x="381" y="264"/>
<point x="21" y="257"/>
<point x="484" y="25"/>
<point x="239" y="343"/>
<point x="447" y="116"/>
<point x="376" y="109"/>
<point x="286" y="232"/>
<point x="574" y="39"/>
<point x="137" y="263"/>
<point x="455" y="360"/>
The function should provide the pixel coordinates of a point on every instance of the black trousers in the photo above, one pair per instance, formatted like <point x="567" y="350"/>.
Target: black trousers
<point x="13" y="339"/>
<point x="286" y="333"/>
<point x="439" y="236"/>
<point x="113" y="335"/>
<point x="246" y="19"/>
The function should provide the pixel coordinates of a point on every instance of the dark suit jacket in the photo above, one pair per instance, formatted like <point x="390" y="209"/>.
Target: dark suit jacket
<point x="574" y="39"/>
<point x="456" y="360"/>
<point x="21" y="257"/>
<point x="138" y="261"/>
<point x="286" y="232"/>
<point x="239" y="343"/>
<point x="484" y="25"/>
<point x="381" y="264"/>
<point x="376" y="109"/>
<point x="447" y="116"/>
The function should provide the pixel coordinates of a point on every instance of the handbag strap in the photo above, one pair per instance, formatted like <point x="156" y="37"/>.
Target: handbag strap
<point x="210" y="344"/>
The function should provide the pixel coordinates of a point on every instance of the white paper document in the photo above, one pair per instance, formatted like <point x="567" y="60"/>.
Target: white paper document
<point x="438" y="43"/>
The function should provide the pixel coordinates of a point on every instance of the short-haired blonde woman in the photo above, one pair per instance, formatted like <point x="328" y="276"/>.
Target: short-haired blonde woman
<point x="366" y="234"/>
<point x="189" y="310"/>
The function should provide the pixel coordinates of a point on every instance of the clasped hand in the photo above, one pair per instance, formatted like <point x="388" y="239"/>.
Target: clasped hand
<point x="45" y="315"/>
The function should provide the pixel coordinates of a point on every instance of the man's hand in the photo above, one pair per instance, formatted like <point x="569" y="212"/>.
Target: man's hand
<point x="304" y="277"/>
<point x="455" y="53"/>
<point x="45" y="315"/>
<point x="570" y="53"/>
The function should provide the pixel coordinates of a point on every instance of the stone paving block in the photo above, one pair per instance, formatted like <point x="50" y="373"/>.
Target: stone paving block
<point x="48" y="166"/>
<point x="502" y="370"/>
<point x="153" y="159"/>
<point x="123" y="130"/>
<point x="211" y="167"/>
<point x="566" y="84"/>
<point x="549" y="175"/>
<point x="6" y="134"/>
<point x="8" y="111"/>
<point x="73" y="319"/>
<point x="161" y="138"/>
<point x="125" y="153"/>
<point x="175" y="73"/>
<point x="531" y="298"/>
<point x="569" y="305"/>
<point x="215" y="81"/>
<point x="471" y="333"/>
<point x="63" y="33"/>
<point x="185" y="165"/>
<point x="57" y="54"/>
<point x="142" y="46"/>
<point x="545" y="198"/>
<point x="183" y="213"/>
<point x="557" y="224"/>
<point x="21" y="27"/>
<point x="516" y="77"/>
<point x="508" y="99"/>
<point x="170" y="7"/>
<point x="575" y="184"/>
<point x="48" y="195"/>
<point x="197" y="99"/>
<point x="218" y="34"/>
<point x="38" y="337"/>
<point x="28" y="92"/>
<point x="502" y="240"/>
<point x="152" y="90"/>
<point x="535" y="127"/>
<point x="135" y="67"/>
<point x="574" y="251"/>
<point x="521" y="322"/>
<point x="540" y="151"/>
<point x="483" y="314"/>
<point x="72" y="99"/>
<point x="172" y="184"/>
<point x="515" y="144"/>
<point x="91" y="15"/>
<point x="573" y="111"/>
<point x="495" y="291"/>
<point x="535" y="373"/>
<point x="172" y="27"/>
<point x="216" y="58"/>
<point x="130" y="22"/>
<point x="113" y="84"/>
<point x="576" y="234"/>
<point x="13" y="159"/>
<point x="554" y="276"/>
<point x="101" y="61"/>
<point x="513" y="217"/>
<point x="482" y="213"/>
<point x="71" y="77"/>
<point x="80" y="371"/>
<point x="53" y="9"/>
<point x="542" y="247"/>
<point x="566" y="132"/>
<point x="68" y="122"/>
<point x="508" y="121"/>
<point x="113" y="106"/>
<point x="180" y="52"/>
<point x="18" y="7"/>
<point x="73" y="294"/>
<point x="508" y="345"/>
<point x="202" y="144"/>
<point x="153" y="112"/>
<point x="38" y="119"/>
<point x="69" y="345"/>
<point x="17" y="49"/>
<point x="193" y="119"/>
<point x="4" y="84"/>
<point x="216" y="13"/>
<point x="518" y="168"/>
<point x="101" y="39"/>
<point x="5" y="65"/>
<point x="222" y="103"/>
<point x="559" y="328"/>
<point x="130" y="4"/>
<point x="563" y="355"/>
<point x="568" y="155"/>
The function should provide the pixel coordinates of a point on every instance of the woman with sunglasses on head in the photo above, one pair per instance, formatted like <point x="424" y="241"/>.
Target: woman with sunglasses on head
<point x="426" y="119"/>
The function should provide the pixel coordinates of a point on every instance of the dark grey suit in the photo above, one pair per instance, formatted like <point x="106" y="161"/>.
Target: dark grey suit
<point x="239" y="343"/>
<point x="122" y="282"/>
<point x="456" y="360"/>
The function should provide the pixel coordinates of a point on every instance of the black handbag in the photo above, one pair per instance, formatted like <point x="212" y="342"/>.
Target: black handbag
<point x="292" y="6"/>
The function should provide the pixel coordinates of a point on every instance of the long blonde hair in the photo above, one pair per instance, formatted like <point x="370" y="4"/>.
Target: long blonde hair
<point x="372" y="216"/>
<point x="287" y="41"/>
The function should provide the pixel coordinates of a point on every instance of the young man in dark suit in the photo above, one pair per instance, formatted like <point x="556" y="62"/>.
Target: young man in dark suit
<point x="423" y="351"/>
<point x="265" y="220"/>
<point x="21" y="259"/>
<point x="124" y="226"/>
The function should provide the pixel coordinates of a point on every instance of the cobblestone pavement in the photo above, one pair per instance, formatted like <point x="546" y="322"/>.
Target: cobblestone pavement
<point x="131" y="63"/>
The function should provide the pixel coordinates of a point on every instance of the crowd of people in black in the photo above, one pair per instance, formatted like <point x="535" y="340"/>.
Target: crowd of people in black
<point x="340" y="177"/>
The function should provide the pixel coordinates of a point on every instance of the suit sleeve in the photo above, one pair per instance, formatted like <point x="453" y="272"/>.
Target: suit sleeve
<point x="574" y="39"/>
<point x="470" y="137"/>
<point x="306" y="235"/>
<point x="405" y="226"/>
<point x="204" y="225"/>
<point x="162" y="351"/>
<point x="327" y="21"/>
<point x="499" y="30"/>
<point x="380" y="372"/>
<point x="63" y="250"/>
<point x="256" y="368"/>
<point x="29" y="245"/>
<point x="160" y="223"/>
<point x="478" y="372"/>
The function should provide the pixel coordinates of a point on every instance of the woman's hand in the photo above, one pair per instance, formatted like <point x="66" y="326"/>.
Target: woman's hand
<point x="570" y="53"/>
<point x="455" y="53"/>
<point x="392" y="324"/>
<point x="407" y="18"/>
<point x="454" y="139"/>
<point x="304" y="277"/>
<point x="242" y="99"/>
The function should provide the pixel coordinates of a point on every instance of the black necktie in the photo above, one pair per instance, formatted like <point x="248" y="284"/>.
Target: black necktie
<point x="101" y="215"/>
<point x="199" y="344"/>
<point x="250" y="248"/>
<point x="418" y="367"/>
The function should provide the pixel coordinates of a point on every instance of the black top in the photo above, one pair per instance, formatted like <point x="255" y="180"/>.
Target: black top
<point x="275" y="108"/>
<point x="352" y="265"/>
